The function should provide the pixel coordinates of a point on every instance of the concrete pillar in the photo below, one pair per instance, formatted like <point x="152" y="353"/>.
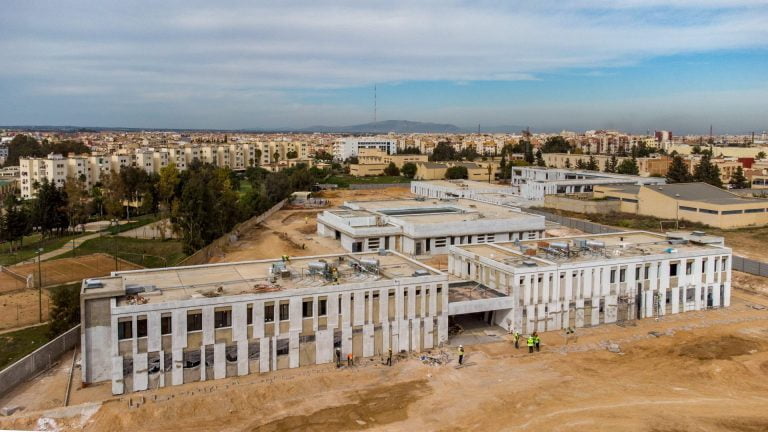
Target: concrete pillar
<point x="368" y="344"/>
<point x="242" y="357"/>
<point x="177" y="370"/>
<point x="203" y="365"/>
<point x="264" y="354"/>
<point x="358" y="315"/>
<point x="442" y="328"/>
<point x="530" y="325"/>
<point x="333" y="311"/>
<point x="118" y="383"/>
<point x="675" y="300"/>
<point x="412" y="301"/>
<point x="428" y="333"/>
<point x="258" y="320"/>
<point x="579" y="320"/>
<point x="208" y="334"/>
<point x="346" y="340"/>
<point x="179" y="328"/>
<point x="415" y="334"/>
<point x="595" y="311"/>
<point x="293" y="349"/>
<point x="541" y="318"/>
<point x="153" y="331"/>
<point x="324" y="346"/>
<point x="611" y="308"/>
<point x="219" y="361"/>
<point x="239" y="322"/>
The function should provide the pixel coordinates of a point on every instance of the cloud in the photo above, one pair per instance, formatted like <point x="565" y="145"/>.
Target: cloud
<point x="145" y="51"/>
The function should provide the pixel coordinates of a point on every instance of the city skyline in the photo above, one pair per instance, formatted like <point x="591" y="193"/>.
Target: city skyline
<point x="630" y="65"/>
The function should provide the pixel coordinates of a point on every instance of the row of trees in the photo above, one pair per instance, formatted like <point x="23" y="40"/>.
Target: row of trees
<point x="704" y="171"/>
<point x="202" y="202"/>
<point x="26" y="146"/>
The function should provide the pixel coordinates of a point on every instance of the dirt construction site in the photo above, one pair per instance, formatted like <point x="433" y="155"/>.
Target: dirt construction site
<point x="699" y="371"/>
<point x="293" y="231"/>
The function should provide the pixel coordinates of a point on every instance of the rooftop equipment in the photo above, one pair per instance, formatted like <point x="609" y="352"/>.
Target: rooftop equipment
<point x="595" y="244"/>
<point x="93" y="283"/>
<point x="418" y="273"/>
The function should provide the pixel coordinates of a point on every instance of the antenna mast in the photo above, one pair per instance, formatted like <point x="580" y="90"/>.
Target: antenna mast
<point x="374" y="103"/>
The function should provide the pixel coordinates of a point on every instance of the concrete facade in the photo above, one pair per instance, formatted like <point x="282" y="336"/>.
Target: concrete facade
<point x="425" y="227"/>
<point x="533" y="183"/>
<point x="206" y="322"/>
<point x="589" y="280"/>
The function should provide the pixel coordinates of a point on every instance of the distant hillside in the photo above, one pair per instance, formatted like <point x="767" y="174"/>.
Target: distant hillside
<point x="396" y="126"/>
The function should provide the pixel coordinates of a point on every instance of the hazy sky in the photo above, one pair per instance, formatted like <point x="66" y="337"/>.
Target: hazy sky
<point x="633" y="64"/>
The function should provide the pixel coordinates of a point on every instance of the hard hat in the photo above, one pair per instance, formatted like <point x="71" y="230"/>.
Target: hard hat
<point x="461" y="346"/>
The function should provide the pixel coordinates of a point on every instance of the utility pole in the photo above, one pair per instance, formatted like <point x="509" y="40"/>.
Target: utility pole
<point x="374" y="103"/>
<point x="39" y="285"/>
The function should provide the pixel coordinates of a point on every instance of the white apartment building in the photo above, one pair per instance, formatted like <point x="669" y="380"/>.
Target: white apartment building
<point x="161" y="327"/>
<point x="582" y="281"/>
<point x="238" y="157"/>
<point x="344" y="148"/>
<point x="425" y="227"/>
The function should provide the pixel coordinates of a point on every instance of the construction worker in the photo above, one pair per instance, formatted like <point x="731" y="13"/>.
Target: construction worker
<point x="530" y="344"/>
<point x="338" y="357"/>
<point x="389" y="359"/>
<point x="537" y="341"/>
<point x="461" y="354"/>
<point x="516" y="335"/>
<point x="349" y="359"/>
<point x="306" y="219"/>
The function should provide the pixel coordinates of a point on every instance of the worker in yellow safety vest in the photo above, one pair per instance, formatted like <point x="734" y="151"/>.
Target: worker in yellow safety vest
<point x="530" y="344"/>
<point x="461" y="354"/>
<point x="517" y="339"/>
<point x="536" y="341"/>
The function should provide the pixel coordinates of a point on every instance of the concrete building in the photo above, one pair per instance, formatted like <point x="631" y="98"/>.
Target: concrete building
<point x="347" y="147"/>
<point x="372" y="162"/>
<point x="425" y="227"/>
<point x="160" y="327"/>
<point x="582" y="281"/>
<point x="695" y="202"/>
<point x="534" y="183"/>
<point x="505" y="195"/>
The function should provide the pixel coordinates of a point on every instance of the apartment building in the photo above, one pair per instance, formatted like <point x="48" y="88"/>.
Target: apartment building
<point x="425" y="226"/>
<point x="161" y="327"/>
<point x="583" y="281"/>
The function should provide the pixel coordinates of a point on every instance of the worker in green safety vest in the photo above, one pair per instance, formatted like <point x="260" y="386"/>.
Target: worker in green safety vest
<point x="530" y="344"/>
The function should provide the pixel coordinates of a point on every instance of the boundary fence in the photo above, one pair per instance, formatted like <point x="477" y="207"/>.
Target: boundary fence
<point x="39" y="360"/>
<point x="738" y="263"/>
<point x="217" y="246"/>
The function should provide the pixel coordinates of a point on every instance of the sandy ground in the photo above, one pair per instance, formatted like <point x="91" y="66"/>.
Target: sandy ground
<point x="705" y="371"/>
<point x="294" y="232"/>
<point x="19" y="306"/>
<point x="151" y="231"/>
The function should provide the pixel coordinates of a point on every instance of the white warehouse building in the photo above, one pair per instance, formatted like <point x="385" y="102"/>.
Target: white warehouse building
<point x="425" y="226"/>
<point x="344" y="148"/>
<point x="533" y="183"/>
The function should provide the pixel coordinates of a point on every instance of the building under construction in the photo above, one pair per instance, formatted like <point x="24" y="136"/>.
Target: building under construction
<point x="571" y="282"/>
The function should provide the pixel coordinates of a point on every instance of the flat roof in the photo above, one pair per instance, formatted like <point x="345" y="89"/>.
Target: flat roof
<point x="705" y="193"/>
<point x="433" y="210"/>
<point x="255" y="277"/>
<point x="466" y="184"/>
<point x="600" y="247"/>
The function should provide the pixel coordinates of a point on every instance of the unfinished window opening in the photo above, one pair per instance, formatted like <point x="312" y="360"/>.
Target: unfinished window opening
<point x="285" y="311"/>
<point x="306" y="309"/>
<point x="194" y="321"/>
<point x="269" y="313"/>
<point x="673" y="270"/>
<point x="165" y="324"/>
<point x="124" y="330"/>
<point x="322" y="307"/>
<point x="222" y="318"/>
<point x="249" y="315"/>
<point x="373" y="243"/>
<point x="141" y="327"/>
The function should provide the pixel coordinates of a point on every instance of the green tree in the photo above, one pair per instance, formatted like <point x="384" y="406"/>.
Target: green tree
<point x="443" y="151"/>
<point x="611" y="164"/>
<point x="65" y="309"/>
<point x="392" y="170"/>
<point x="760" y="155"/>
<point x="456" y="172"/>
<point x="409" y="169"/>
<point x="49" y="212"/>
<point x="556" y="144"/>
<point x="167" y="184"/>
<point x="567" y="163"/>
<point x="592" y="164"/>
<point x="540" y="159"/>
<point x="77" y="203"/>
<point x="409" y="150"/>
<point x="707" y="172"/>
<point x="23" y="146"/>
<point x="14" y="221"/>
<point x="256" y="157"/>
<point x="528" y="152"/>
<point x="678" y="172"/>
<point x="323" y="155"/>
<point x="292" y="154"/>
<point x="628" y="166"/>
<point x="738" y="180"/>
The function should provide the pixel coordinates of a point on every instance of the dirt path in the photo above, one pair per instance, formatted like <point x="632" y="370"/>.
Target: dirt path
<point x="702" y="371"/>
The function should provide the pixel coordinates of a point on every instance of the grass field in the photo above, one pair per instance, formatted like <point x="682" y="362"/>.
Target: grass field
<point x="146" y="253"/>
<point x="29" y="250"/>
<point x="345" y="181"/>
<point x="15" y="345"/>
<point x="137" y="222"/>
